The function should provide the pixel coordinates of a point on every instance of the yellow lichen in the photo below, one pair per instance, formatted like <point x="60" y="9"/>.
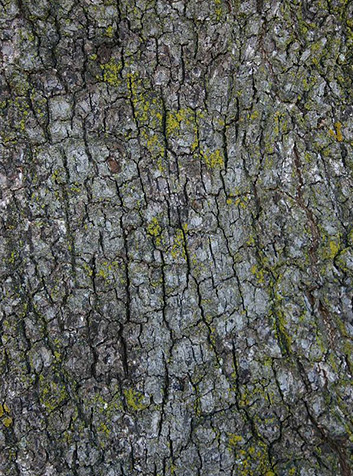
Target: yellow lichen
<point x="134" y="400"/>
<point x="339" y="135"/>
<point x="175" y="119"/>
<point x="52" y="395"/>
<point x="111" y="72"/>
<point x="254" y="115"/>
<point x="234" y="439"/>
<point x="5" y="411"/>
<point x="109" y="32"/>
<point x="103" y="428"/>
<point x="334" y="248"/>
<point x="154" y="229"/>
<point x="214" y="159"/>
<point x="12" y="257"/>
<point x="179" y="245"/>
<point x="258" y="273"/>
<point x="332" y="133"/>
<point x="218" y="9"/>
<point x="7" y="421"/>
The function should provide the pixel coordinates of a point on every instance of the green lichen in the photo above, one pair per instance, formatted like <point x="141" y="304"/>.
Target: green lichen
<point x="179" y="244"/>
<point x="234" y="440"/>
<point x="6" y="419"/>
<point x="148" y="117"/>
<point x="252" y="459"/>
<point x="13" y="256"/>
<point x="280" y="123"/>
<point x="103" y="428"/>
<point x="111" y="73"/>
<point x="265" y="273"/>
<point x="258" y="273"/>
<point x="281" y="333"/>
<point x="330" y="246"/>
<point x="334" y="249"/>
<point x="134" y="400"/>
<point x="109" y="32"/>
<point x="218" y="9"/>
<point x="21" y="108"/>
<point x="175" y="120"/>
<point x="75" y="188"/>
<point x="154" y="229"/>
<point x="237" y="201"/>
<point x="337" y="134"/>
<point x="39" y="104"/>
<point x="106" y="270"/>
<point x="52" y="394"/>
<point x="213" y="159"/>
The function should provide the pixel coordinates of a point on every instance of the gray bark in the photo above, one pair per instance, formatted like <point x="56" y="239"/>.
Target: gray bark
<point x="176" y="237"/>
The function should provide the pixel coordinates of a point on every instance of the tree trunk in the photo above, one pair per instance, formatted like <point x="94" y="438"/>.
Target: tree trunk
<point x="176" y="238"/>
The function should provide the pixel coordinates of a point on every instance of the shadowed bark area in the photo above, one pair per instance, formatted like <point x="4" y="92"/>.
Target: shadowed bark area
<point x="176" y="238"/>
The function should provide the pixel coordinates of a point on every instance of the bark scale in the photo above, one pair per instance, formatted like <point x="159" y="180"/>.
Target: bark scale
<point x="176" y="237"/>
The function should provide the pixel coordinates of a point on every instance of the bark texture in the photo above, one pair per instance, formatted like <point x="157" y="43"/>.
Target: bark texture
<point x="176" y="237"/>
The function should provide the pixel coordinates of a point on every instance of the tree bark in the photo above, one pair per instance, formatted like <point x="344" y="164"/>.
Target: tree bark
<point x="176" y="237"/>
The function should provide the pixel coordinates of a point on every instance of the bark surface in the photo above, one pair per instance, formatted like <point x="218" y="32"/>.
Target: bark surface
<point x="176" y="237"/>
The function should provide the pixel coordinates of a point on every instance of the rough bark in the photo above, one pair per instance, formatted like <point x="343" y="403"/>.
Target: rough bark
<point x="176" y="237"/>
